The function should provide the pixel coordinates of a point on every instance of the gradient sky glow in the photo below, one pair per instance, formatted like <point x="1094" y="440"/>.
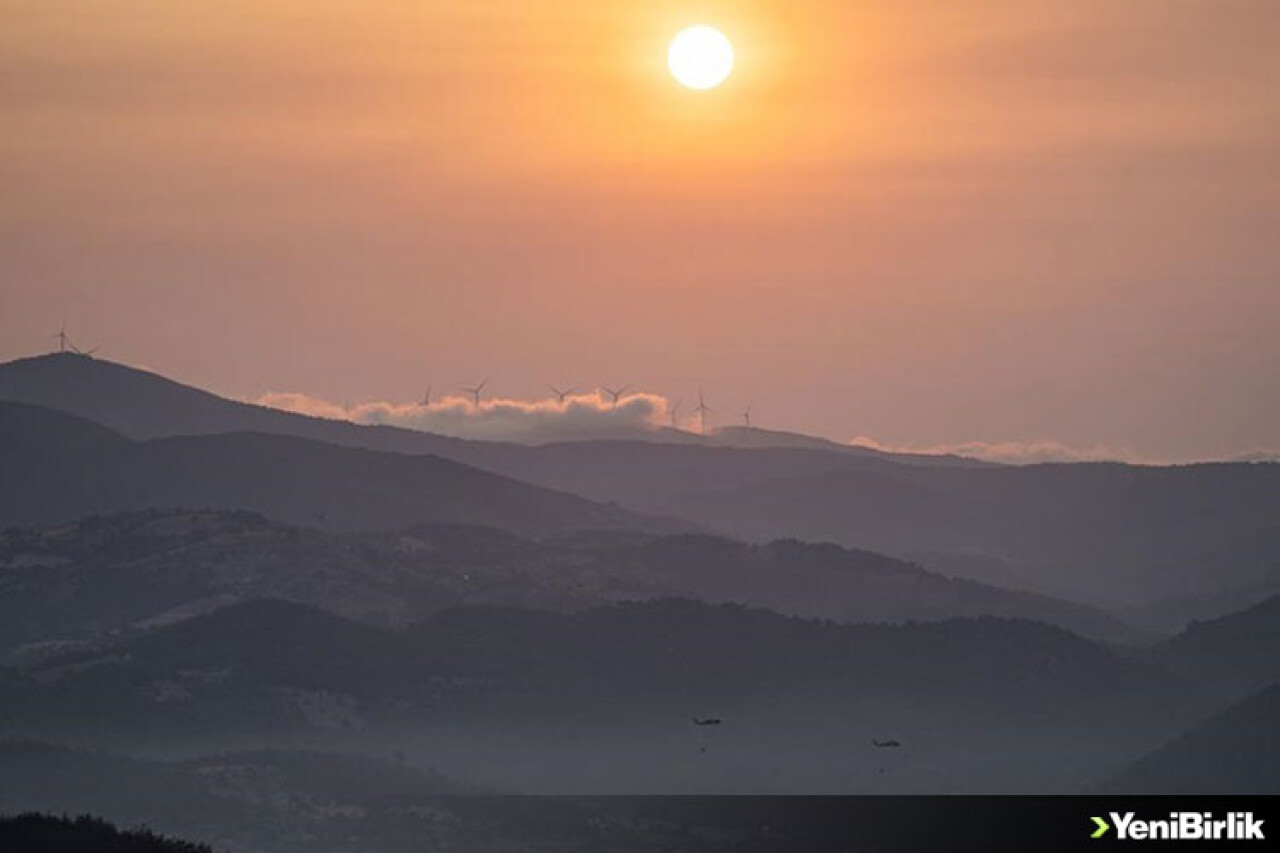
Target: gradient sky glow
<point x="926" y="222"/>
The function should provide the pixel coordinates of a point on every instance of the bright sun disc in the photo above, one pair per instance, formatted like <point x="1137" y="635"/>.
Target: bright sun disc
<point x="700" y="57"/>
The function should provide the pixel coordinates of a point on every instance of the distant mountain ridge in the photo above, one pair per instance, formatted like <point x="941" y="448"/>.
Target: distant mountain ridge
<point x="1236" y="654"/>
<point x="1111" y="535"/>
<point x="1235" y="752"/>
<point x="1236" y="660"/>
<point x="623" y="680"/>
<point x="754" y="437"/>
<point x="59" y="467"/>
<point x="1105" y="533"/>
<point x="107" y="575"/>
<point x="143" y="405"/>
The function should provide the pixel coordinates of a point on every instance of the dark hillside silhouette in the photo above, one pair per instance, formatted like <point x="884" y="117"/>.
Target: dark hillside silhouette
<point x="1236" y="752"/>
<point x="59" y="468"/>
<point x="34" y="833"/>
<point x="1105" y="533"/>
<point x="108" y="574"/>
<point x="959" y="694"/>
<point x="1234" y="655"/>
<point x="142" y="405"/>
<point x="1112" y="535"/>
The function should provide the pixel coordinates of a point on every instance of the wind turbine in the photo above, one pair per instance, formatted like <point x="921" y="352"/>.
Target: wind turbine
<point x="703" y="410"/>
<point x="63" y="340"/>
<point x="746" y="416"/>
<point x="475" y="392"/>
<point x="426" y="397"/>
<point x="560" y="396"/>
<point x="614" y="394"/>
<point x="675" y="412"/>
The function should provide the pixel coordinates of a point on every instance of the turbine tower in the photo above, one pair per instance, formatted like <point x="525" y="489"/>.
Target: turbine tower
<point x="66" y="345"/>
<point x="560" y="396"/>
<point x="475" y="392"/>
<point x="746" y="416"/>
<point x="703" y="410"/>
<point x="675" y="412"/>
<point x="614" y="394"/>
<point x="426" y="397"/>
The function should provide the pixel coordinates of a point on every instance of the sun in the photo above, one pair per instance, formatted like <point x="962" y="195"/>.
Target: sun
<point x="700" y="57"/>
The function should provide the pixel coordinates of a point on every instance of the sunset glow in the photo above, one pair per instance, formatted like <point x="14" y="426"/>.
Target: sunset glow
<point x="700" y="57"/>
<point x="521" y="189"/>
<point x="509" y="425"/>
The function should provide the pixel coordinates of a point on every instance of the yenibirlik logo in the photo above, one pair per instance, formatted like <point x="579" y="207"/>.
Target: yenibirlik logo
<point x="1181" y="826"/>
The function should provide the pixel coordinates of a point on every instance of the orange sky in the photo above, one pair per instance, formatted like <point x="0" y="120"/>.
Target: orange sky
<point x="927" y="221"/>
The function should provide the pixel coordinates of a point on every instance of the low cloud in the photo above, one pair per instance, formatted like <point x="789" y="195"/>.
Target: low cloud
<point x="579" y="417"/>
<point x="1259" y="456"/>
<point x="1010" y="452"/>
<point x="584" y="417"/>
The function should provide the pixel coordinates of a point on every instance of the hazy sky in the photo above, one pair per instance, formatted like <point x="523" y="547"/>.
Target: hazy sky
<point x="926" y="221"/>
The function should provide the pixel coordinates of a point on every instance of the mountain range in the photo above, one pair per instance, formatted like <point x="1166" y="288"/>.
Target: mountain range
<point x="80" y="581"/>
<point x="1236" y="655"/>
<point x="622" y="683"/>
<point x="1113" y="535"/>
<point x="748" y="611"/>
<point x="1235" y="752"/>
<point x="527" y="700"/>
<point x="60" y="467"/>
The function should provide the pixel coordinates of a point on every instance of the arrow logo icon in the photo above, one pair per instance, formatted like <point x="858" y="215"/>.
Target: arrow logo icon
<point x="1103" y="826"/>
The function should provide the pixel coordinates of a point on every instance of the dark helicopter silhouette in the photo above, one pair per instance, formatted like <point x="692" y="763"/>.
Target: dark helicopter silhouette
<point x="709" y="721"/>
<point x="887" y="744"/>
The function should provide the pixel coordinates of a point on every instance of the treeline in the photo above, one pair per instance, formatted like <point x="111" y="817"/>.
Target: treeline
<point x="37" y="833"/>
